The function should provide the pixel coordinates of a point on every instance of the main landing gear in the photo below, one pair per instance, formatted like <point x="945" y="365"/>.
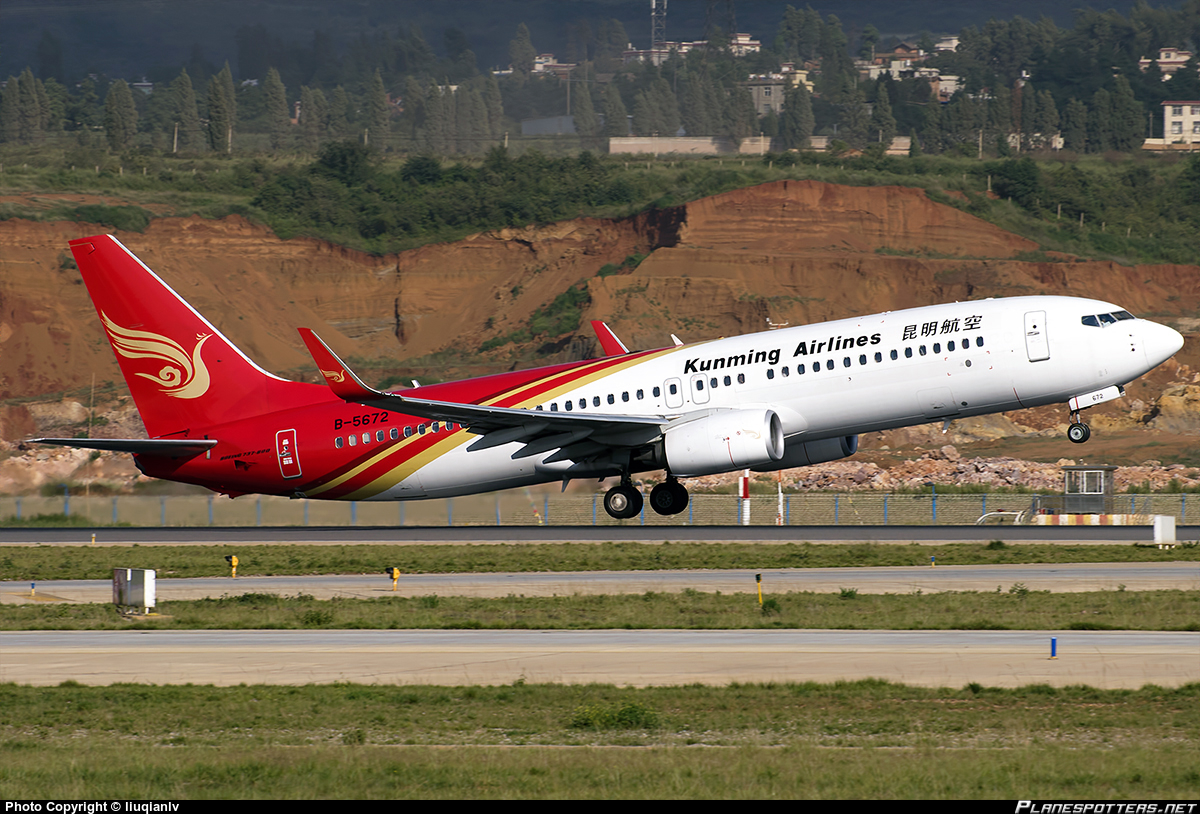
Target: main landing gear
<point x="625" y="501"/>
<point x="1077" y="431"/>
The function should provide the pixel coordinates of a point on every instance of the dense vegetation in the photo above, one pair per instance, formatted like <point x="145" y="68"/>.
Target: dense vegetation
<point x="1017" y="85"/>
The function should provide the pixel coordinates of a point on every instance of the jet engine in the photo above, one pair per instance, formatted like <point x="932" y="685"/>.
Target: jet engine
<point x="813" y="452"/>
<point x="724" y="441"/>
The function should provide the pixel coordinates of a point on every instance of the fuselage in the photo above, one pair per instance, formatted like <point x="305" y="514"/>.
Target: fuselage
<point x="825" y="380"/>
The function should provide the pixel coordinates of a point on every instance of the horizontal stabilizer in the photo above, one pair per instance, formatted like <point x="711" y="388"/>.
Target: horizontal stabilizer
<point x="170" y="447"/>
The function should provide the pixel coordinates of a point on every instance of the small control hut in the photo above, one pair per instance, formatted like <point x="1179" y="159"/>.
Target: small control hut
<point x="1088" y="489"/>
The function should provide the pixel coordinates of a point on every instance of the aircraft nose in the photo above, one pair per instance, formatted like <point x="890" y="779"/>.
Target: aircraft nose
<point x="1161" y="342"/>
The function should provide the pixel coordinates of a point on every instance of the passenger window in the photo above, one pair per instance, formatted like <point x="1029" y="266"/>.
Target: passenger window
<point x="420" y="429"/>
<point x="612" y="399"/>
<point x="539" y="408"/>
<point x="712" y="383"/>
<point x="741" y="378"/>
<point x="816" y="366"/>
<point x="846" y="361"/>
<point x="908" y="353"/>
<point x="379" y="436"/>
<point x="979" y="341"/>
<point x="699" y="384"/>
<point x="641" y="395"/>
<point x="366" y="438"/>
<point x="950" y="345"/>
<point x="922" y="350"/>
<point x="625" y="395"/>
<point x="799" y="370"/>
<point x="937" y="347"/>
<point x="894" y="355"/>
<point x="728" y="381"/>
<point x="657" y="391"/>
<point x="570" y="407"/>
<point x="337" y="442"/>
<point x="353" y="439"/>
<point x="595" y="401"/>
<point x="583" y="404"/>
<point x="408" y="431"/>
<point x="862" y="358"/>
<point x="435" y="426"/>
<point x="786" y="373"/>
<point x="770" y="373"/>
<point x="674" y="389"/>
<point x="878" y="356"/>
<point x="395" y="433"/>
<point x="554" y="406"/>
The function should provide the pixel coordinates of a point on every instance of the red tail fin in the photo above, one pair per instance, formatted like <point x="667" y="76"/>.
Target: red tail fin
<point x="183" y="373"/>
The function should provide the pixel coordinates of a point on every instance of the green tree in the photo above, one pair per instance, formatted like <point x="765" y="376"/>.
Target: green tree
<point x="883" y="124"/>
<point x="33" y="115"/>
<point x="278" y="120"/>
<point x="10" y="111"/>
<point x="120" y="115"/>
<point x="314" y="118"/>
<point x="854" y="121"/>
<point x="587" y="123"/>
<point x="616" y="119"/>
<point x="1075" y="126"/>
<point x="378" y="113"/>
<point x="797" y="122"/>
<point x="1127" y="133"/>
<point x="1100" y="122"/>
<point x="187" y="117"/>
<point x="521" y="52"/>
<point x="222" y="111"/>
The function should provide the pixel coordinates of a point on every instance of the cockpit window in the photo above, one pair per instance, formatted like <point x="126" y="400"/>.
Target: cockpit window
<point x="1100" y="320"/>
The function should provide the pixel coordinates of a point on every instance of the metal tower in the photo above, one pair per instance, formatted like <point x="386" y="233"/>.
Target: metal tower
<point x="658" y="23"/>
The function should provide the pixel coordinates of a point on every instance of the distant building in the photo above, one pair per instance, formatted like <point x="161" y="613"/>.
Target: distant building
<point x="740" y="46"/>
<point x="1181" y="122"/>
<point x="768" y="90"/>
<point x="1169" y="61"/>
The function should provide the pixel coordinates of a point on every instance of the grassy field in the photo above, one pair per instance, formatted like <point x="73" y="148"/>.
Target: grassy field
<point x="860" y="739"/>
<point x="1016" y="608"/>
<point x="45" y="562"/>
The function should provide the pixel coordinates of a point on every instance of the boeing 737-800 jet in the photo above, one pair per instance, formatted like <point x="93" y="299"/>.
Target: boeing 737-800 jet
<point x="785" y="398"/>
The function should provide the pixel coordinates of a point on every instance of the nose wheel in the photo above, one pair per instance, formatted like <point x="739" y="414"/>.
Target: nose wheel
<point x="1077" y="431"/>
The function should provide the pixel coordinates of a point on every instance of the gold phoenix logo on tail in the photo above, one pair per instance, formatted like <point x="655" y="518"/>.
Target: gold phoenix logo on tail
<point x="334" y="375"/>
<point x="183" y="377"/>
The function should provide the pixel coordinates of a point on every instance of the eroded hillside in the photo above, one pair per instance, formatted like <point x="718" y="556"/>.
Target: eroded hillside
<point x="790" y="251"/>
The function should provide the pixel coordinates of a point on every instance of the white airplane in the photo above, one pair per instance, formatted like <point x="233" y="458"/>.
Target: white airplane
<point x="779" y="399"/>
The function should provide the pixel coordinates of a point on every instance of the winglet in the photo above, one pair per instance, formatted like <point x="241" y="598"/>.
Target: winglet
<point x="608" y="340"/>
<point x="341" y="379"/>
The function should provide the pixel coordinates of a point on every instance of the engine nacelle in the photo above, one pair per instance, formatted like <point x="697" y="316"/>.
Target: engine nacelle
<point x="724" y="441"/>
<point x="813" y="452"/>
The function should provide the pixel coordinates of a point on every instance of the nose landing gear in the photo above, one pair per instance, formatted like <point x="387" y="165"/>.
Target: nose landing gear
<point x="1077" y="431"/>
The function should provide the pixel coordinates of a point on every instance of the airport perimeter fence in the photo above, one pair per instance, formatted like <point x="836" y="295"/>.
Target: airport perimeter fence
<point x="517" y="509"/>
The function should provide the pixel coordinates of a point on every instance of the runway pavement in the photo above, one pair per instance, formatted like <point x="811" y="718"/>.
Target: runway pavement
<point x="481" y="535"/>
<point x="896" y="580"/>
<point x="638" y="658"/>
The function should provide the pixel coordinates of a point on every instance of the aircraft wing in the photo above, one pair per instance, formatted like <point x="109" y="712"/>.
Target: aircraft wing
<point x="171" y="447"/>
<point x="576" y="435"/>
